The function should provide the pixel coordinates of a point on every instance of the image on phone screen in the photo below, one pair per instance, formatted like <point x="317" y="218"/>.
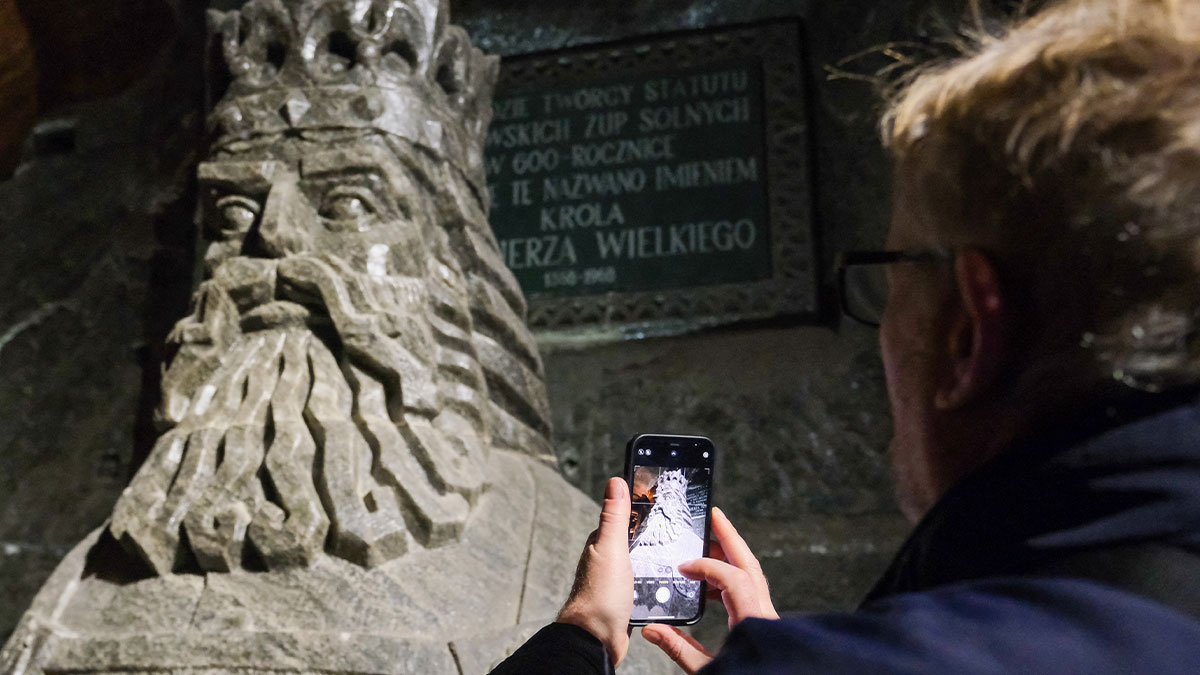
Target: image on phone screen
<point x="667" y="526"/>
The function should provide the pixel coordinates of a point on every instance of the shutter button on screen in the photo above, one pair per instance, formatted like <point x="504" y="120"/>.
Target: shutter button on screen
<point x="662" y="594"/>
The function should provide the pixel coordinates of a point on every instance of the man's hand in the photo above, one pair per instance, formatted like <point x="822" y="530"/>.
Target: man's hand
<point x="601" y="601"/>
<point x="734" y="577"/>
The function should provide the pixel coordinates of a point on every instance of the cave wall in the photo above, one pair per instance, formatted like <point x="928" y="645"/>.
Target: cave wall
<point x="97" y="230"/>
<point x="95" y="226"/>
<point x="18" y="85"/>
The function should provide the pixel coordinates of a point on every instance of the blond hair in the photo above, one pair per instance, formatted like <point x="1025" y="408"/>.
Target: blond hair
<point x="1077" y="131"/>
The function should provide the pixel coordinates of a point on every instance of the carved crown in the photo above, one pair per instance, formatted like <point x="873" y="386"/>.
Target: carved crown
<point x="671" y="482"/>
<point x="396" y="66"/>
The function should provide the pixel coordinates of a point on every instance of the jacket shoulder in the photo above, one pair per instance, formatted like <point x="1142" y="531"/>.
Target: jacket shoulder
<point x="993" y="626"/>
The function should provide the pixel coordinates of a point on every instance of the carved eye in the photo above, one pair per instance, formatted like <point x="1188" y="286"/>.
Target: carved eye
<point x="237" y="214"/>
<point x="349" y="204"/>
<point x="346" y="207"/>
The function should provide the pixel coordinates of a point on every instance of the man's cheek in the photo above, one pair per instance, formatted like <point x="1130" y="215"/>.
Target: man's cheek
<point x="892" y="369"/>
<point x="907" y="488"/>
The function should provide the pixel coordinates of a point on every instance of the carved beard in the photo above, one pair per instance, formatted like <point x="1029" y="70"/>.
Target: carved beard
<point x="313" y="408"/>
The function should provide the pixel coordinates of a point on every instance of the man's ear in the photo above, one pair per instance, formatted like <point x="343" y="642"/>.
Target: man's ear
<point x="979" y="338"/>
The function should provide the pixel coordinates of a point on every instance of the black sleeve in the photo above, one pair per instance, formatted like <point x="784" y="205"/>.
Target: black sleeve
<point x="556" y="649"/>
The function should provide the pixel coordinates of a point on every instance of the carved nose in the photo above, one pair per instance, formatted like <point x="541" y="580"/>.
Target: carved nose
<point x="288" y="221"/>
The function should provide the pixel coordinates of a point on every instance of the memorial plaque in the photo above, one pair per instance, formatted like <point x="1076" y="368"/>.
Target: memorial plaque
<point x="657" y="185"/>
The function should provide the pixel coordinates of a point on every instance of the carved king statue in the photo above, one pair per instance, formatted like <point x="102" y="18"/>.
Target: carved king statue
<point x="353" y="473"/>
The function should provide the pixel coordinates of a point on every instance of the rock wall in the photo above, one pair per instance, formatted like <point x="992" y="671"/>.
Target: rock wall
<point x="98" y="256"/>
<point x="97" y="232"/>
<point x="18" y="85"/>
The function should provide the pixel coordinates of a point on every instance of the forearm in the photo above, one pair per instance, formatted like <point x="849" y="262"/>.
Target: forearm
<point x="558" y="648"/>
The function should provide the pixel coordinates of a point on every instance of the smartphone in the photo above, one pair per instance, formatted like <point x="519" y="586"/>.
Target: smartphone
<point x="671" y="486"/>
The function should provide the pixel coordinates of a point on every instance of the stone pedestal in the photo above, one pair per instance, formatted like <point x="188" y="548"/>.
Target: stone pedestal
<point x="458" y="609"/>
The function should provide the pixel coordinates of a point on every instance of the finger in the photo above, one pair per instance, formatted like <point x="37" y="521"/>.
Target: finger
<point x="740" y="593"/>
<point x="716" y="551"/>
<point x="738" y="553"/>
<point x="683" y="649"/>
<point x="734" y="548"/>
<point x="717" y="573"/>
<point x="614" y="517"/>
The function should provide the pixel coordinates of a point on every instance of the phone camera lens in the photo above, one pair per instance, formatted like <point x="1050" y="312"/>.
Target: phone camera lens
<point x="706" y="455"/>
<point x="672" y="453"/>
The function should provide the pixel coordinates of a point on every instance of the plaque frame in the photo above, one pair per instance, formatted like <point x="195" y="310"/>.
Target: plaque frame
<point x="793" y="289"/>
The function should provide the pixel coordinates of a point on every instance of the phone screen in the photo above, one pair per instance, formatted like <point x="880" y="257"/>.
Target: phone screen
<point x="670" y="479"/>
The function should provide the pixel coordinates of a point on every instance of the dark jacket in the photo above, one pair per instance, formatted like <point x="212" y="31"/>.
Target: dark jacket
<point x="1077" y="551"/>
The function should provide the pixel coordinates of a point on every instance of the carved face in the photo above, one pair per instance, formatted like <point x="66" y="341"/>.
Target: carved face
<point x="328" y="379"/>
<point x="347" y="200"/>
<point x="309" y="196"/>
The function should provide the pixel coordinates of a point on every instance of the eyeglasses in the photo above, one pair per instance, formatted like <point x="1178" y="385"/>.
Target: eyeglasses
<point x="862" y="280"/>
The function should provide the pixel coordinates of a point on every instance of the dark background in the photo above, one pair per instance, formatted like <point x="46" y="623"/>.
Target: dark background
<point x="101" y="118"/>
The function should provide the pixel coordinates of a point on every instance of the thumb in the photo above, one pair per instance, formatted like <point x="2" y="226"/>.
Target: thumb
<point x="614" y="518"/>
<point x="683" y="649"/>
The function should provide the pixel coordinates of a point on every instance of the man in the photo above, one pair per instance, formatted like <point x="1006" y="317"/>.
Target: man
<point x="1041" y="344"/>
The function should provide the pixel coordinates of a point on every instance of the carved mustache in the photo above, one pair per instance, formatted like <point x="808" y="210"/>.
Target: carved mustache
<point x="308" y="289"/>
